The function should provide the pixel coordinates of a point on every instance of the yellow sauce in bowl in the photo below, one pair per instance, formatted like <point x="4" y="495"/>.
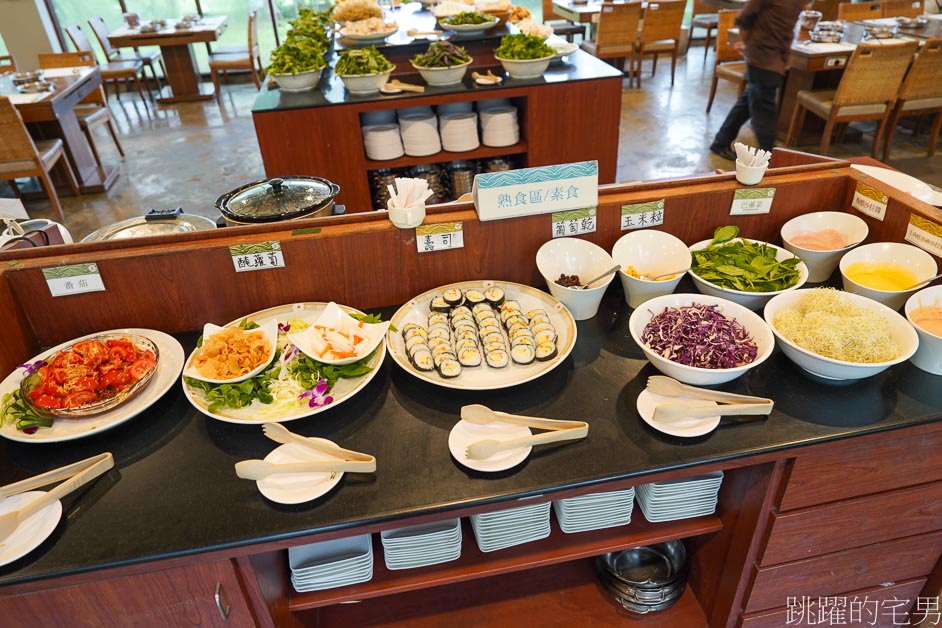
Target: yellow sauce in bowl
<point x="929" y="318"/>
<point x="881" y="275"/>
<point x="824" y="240"/>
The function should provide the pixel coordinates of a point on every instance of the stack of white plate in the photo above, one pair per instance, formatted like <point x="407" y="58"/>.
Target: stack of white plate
<point x="595" y="511"/>
<point x="680" y="499"/>
<point x="506" y="528"/>
<point x="492" y="103"/>
<point x="422" y="545"/>
<point x="420" y="134"/>
<point x="424" y="110"/>
<point x="383" y="116"/>
<point x="500" y="127"/>
<point x="459" y="131"/>
<point x="454" y="107"/>
<point x="382" y="141"/>
<point x="331" y="564"/>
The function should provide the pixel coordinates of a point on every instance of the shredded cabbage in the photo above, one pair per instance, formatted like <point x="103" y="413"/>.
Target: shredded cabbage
<point x="701" y="336"/>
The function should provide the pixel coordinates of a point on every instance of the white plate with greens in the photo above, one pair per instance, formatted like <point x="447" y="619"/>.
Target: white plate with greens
<point x="293" y="399"/>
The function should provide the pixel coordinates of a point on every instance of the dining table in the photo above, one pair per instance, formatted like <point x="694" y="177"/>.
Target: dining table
<point x="176" y="45"/>
<point x="51" y="115"/>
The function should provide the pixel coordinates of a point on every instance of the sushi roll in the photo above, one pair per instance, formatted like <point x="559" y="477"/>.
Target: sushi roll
<point x="414" y="332"/>
<point x="474" y="297"/>
<point x="481" y="307"/>
<point x="546" y="351"/>
<point x="457" y="318"/>
<point x="492" y="338"/>
<point x="514" y="319"/>
<point x="523" y="354"/>
<point x="545" y="335"/>
<point x="517" y="329"/>
<point x="542" y="326"/>
<point x="422" y="360"/>
<point x="439" y="304"/>
<point x="461" y="309"/>
<point x="497" y="358"/>
<point x="437" y="342"/>
<point x="494" y="296"/>
<point x="453" y="297"/>
<point x="437" y="317"/>
<point x="439" y="332"/>
<point x="488" y="329"/>
<point x="449" y="369"/>
<point x="440" y="349"/>
<point x="494" y="346"/>
<point x="538" y="318"/>
<point x="489" y="321"/>
<point x="510" y="305"/>
<point x="466" y="334"/>
<point x="532" y="313"/>
<point x="506" y="314"/>
<point x="415" y="340"/>
<point x="470" y="357"/>
<point x="522" y="340"/>
<point x="467" y="343"/>
<point x="441" y="357"/>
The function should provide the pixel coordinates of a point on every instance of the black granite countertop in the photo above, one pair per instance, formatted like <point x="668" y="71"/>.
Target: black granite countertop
<point x="174" y="491"/>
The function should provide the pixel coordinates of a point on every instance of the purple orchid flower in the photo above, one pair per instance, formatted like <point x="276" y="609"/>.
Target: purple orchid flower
<point x="290" y="351"/>
<point x="318" y="397"/>
<point x="284" y="328"/>
<point x="32" y="368"/>
<point x="31" y="430"/>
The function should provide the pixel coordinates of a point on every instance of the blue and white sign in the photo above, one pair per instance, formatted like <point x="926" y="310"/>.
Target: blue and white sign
<point x="531" y="191"/>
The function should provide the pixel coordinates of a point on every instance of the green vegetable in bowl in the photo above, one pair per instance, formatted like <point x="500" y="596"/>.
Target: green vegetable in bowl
<point x="362" y="62"/>
<point x="520" y="46"/>
<point x="467" y="17"/>
<point x="441" y="54"/>
<point x="304" y="46"/>
<point x="742" y="265"/>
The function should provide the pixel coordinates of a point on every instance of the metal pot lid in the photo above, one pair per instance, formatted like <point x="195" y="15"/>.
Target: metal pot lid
<point x="279" y="198"/>
<point x="139" y="227"/>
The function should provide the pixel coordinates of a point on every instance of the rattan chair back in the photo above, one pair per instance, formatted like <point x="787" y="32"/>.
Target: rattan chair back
<point x="662" y="20"/>
<point x="81" y="58"/>
<point x="617" y="29"/>
<point x="903" y="8"/>
<point x="15" y="142"/>
<point x="854" y="11"/>
<point x="924" y="79"/>
<point x="874" y="73"/>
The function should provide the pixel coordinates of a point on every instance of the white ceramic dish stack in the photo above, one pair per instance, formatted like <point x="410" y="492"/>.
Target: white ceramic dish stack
<point x="595" y="511"/>
<point x="454" y="107"/>
<point x="418" y="546"/>
<point x="499" y="126"/>
<point x="382" y="141"/>
<point x="420" y="134"/>
<point x="514" y="526"/>
<point x="459" y="131"/>
<point x="680" y="499"/>
<point x="331" y="564"/>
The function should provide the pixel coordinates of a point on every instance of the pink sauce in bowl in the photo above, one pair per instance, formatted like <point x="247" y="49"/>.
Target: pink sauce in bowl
<point x="824" y="240"/>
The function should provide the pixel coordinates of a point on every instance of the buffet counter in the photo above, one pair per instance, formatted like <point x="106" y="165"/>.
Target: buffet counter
<point x="171" y="532"/>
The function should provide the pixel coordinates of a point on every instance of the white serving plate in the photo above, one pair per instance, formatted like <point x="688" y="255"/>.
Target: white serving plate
<point x="464" y="433"/>
<point x="169" y="365"/>
<point x="647" y="401"/>
<point x="296" y="488"/>
<point x="902" y="181"/>
<point x="30" y="533"/>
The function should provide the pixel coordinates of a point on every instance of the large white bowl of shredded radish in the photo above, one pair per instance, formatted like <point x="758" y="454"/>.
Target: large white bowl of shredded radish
<point x="700" y="339"/>
<point x="839" y="335"/>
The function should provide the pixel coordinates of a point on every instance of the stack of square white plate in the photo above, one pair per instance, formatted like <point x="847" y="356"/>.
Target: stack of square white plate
<point x="595" y="511"/>
<point x="382" y="141"/>
<point x="418" y="546"/>
<point x="506" y="528"/>
<point x="420" y="134"/>
<point x="499" y="126"/>
<point x="459" y="131"/>
<point x="680" y="499"/>
<point x="331" y="564"/>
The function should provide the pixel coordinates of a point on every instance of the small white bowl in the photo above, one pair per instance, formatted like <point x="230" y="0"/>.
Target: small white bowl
<point x="900" y="330"/>
<point x="650" y="252"/>
<point x="749" y="175"/>
<point x="752" y="300"/>
<point x="365" y="83"/>
<point x="572" y="256"/>
<point x="443" y="76"/>
<point x="300" y="82"/>
<point x="270" y="333"/>
<point x="526" y="68"/>
<point x="821" y="263"/>
<point x="335" y="318"/>
<point x="696" y="376"/>
<point x="928" y="356"/>
<point x="908" y="256"/>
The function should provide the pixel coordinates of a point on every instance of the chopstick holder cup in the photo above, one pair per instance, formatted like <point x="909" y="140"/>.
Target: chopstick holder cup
<point x="749" y="175"/>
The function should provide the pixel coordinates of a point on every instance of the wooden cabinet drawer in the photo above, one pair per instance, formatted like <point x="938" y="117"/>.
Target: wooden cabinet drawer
<point x="855" y="523"/>
<point x="878" y="607"/>
<point x="850" y="570"/>
<point x="862" y="466"/>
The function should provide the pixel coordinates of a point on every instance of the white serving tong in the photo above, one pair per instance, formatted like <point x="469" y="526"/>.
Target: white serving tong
<point x="558" y="430"/>
<point x="346" y="460"/>
<point x="731" y="404"/>
<point x="670" y="387"/>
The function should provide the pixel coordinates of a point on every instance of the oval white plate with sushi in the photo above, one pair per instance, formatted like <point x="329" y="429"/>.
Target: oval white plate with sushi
<point x="426" y="321"/>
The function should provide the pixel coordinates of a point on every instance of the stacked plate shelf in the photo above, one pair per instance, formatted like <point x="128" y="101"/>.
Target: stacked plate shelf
<point x="499" y="126"/>
<point x="382" y="141"/>
<point x="331" y="564"/>
<point x="506" y="528"/>
<point x="422" y="545"/>
<point x="420" y="134"/>
<point x="680" y="499"/>
<point x="459" y="131"/>
<point x="595" y="511"/>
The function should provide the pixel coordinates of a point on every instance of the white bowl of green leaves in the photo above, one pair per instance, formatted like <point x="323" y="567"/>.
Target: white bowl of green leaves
<point x="363" y="71"/>
<point x="468" y="23"/>
<point x="297" y="63"/>
<point x="747" y="272"/>
<point x="524" y="56"/>
<point x="443" y="63"/>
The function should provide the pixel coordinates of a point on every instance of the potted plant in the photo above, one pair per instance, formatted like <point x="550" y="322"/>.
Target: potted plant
<point x="524" y="56"/>
<point x="443" y="63"/>
<point x="296" y="64"/>
<point x="363" y="71"/>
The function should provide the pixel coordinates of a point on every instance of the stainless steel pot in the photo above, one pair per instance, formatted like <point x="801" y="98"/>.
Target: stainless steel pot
<point x="278" y="199"/>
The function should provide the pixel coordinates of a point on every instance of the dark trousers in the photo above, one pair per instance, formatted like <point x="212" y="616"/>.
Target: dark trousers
<point x="759" y="103"/>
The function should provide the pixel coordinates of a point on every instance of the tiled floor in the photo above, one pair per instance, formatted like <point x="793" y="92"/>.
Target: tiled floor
<point x="187" y="155"/>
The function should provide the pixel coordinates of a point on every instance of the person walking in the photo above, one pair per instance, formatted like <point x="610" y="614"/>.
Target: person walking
<point x="766" y="29"/>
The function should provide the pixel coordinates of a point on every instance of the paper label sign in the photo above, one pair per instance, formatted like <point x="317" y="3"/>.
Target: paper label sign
<point x="870" y="201"/>
<point x="752" y="201"/>
<point x="73" y="279"/>
<point x="640" y="215"/>
<point x="531" y="191"/>
<point x="439" y="237"/>
<point x="257" y="256"/>
<point x="925" y="234"/>
<point x="574" y="222"/>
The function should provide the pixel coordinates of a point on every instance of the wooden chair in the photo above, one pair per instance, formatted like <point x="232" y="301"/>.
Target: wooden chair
<point x="706" y="17"/>
<point x="903" y="8"/>
<point x="20" y="156"/>
<point x="920" y="94"/>
<point x="562" y="27"/>
<point x="112" y="71"/>
<point x="148" y="58"/>
<point x="856" y="11"/>
<point x="660" y="33"/>
<point x="616" y="33"/>
<point x="867" y="91"/>
<point x="729" y="64"/>
<point x="827" y="8"/>
<point x="93" y="110"/>
<point x="226" y="61"/>
<point x="7" y="64"/>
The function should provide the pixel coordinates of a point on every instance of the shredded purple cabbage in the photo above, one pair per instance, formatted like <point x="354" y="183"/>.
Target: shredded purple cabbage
<point x="699" y="335"/>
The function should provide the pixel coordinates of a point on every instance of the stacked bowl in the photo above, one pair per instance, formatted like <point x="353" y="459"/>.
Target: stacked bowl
<point x="645" y="579"/>
<point x="382" y="141"/>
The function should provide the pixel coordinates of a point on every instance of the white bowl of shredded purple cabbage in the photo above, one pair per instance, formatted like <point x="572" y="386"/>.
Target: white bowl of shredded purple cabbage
<point x="700" y="339"/>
